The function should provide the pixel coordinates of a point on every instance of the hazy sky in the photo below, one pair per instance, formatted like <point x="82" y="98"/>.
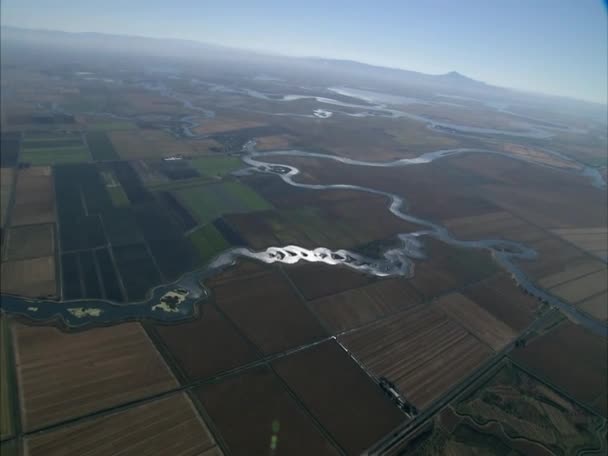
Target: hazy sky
<point x="550" y="46"/>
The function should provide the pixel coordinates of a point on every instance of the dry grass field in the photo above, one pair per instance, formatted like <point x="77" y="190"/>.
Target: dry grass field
<point x="422" y="351"/>
<point x="140" y="144"/>
<point x="222" y="124"/>
<point x="30" y="241"/>
<point x="591" y="240"/>
<point x="596" y="305"/>
<point x="168" y="426"/>
<point x="358" y="306"/>
<point x="539" y="156"/>
<point x="34" y="197"/>
<point x="476" y="320"/>
<point x="6" y="191"/>
<point x="274" y="142"/>
<point x="339" y="394"/>
<point x="63" y="376"/>
<point x="252" y="407"/>
<point x="6" y="398"/>
<point x="33" y="277"/>
<point x="572" y="359"/>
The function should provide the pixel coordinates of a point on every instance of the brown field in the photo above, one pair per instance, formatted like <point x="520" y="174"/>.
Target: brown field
<point x="596" y="306"/>
<point x="493" y="225"/>
<point x="502" y="298"/>
<point x="204" y="146"/>
<point x="355" y="307"/>
<point x="318" y="280"/>
<point x="274" y="142"/>
<point x="134" y="144"/>
<point x="591" y="240"/>
<point x="145" y="102"/>
<point x="30" y="241"/>
<point x="206" y="346"/>
<point x="481" y="117"/>
<point x="476" y="320"/>
<point x="34" y="197"/>
<point x="573" y="360"/>
<point x="250" y="408"/>
<point x="268" y="311"/>
<point x="6" y="190"/>
<point x="167" y="426"/>
<point x="33" y="278"/>
<point x="448" y="268"/>
<point x="63" y="376"/>
<point x="340" y="395"/>
<point x="421" y="350"/>
<point x="6" y="396"/>
<point x="220" y="125"/>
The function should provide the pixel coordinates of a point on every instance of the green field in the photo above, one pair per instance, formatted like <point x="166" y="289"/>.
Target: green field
<point x="118" y="196"/>
<point x="209" y="202"/>
<point x="100" y="146"/>
<point x="208" y="241"/>
<point x="216" y="166"/>
<point x="6" y="413"/>
<point x="52" y="156"/>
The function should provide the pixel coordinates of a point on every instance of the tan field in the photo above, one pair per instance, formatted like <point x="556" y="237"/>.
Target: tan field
<point x="570" y="273"/>
<point x="596" y="306"/>
<point x="477" y="320"/>
<point x="273" y="142"/>
<point x="220" y="125"/>
<point x="539" y="156"/>
<point x="34" y="198"/>
<point x="167" y="426"/>
<point x="6" y="190"/>
<point x="33" y="278"/>
<point x="63" y="376"/>
<point x="592" y="240"/>
<point x="133" y="144"/>
<point x="583" y="287"/>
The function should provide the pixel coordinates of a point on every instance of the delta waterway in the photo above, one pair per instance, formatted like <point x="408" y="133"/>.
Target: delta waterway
<point x="395" y="262"/>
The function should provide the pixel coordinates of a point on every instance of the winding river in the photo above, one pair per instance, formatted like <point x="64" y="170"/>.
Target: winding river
<point x="162" y="304"/>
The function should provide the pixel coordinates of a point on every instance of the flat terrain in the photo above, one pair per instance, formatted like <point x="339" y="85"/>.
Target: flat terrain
<point x="267" y="310"/>
<point x="274" y="423"/>
<point x="476" y="320"/>
<point x="58" y="380"/>
<point x="133" y="144"/>
<point x="340" y="395"/>
<point x="6" y="191"/>
<point x="30" y="241"/>
<point x="166" y="426"/>
<point x="422" y="351"/>
<point x="6" y="397"/>
<point x="206" y="346"/>
<point x="33" y="277"/>
<point x="573" y="360"/>
<point x="34" y="197"/>
<point x="358" y="306"/>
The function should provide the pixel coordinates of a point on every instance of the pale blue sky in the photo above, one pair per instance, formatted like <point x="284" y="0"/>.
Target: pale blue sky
<point x="550" y="46"/>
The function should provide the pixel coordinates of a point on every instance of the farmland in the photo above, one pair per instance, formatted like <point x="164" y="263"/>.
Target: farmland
<point x="208" y="241"/>
<point x="50" y="150"/>
<point x="6" y="191"/>
<point x="593" y="240"/>
<point x="211" y="201"/>
<point x="57" y="380"/>
<point x="206" y="346"/>
<point x="356" y="307"/>
<point x="6" y="397"/>
<point x="33" y="277"/>
<point x="266" y="309"/>
<point x="171" y="423"/>
<point x="584" y="354"/>
<point x="216" y="166"/>
<point x="342" y="399"/>
<point x="30" y="241"/>
<point x="100" y="146"/>
<point x="271" y="411"/>
<point x="420" y="350"/>
<point x="34" y="197"/>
